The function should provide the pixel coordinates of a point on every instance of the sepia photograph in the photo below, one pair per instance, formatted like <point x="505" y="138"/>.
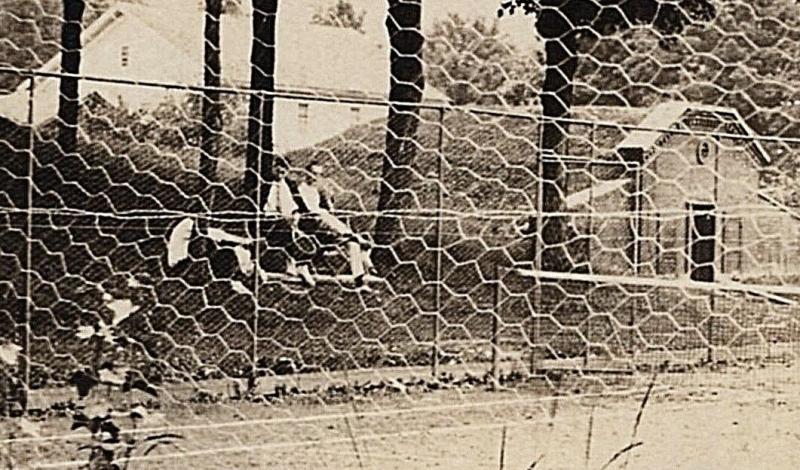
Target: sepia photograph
<point x="399" y="234"/>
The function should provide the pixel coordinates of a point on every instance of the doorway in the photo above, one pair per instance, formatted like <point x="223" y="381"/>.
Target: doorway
<point x="701" y="242"/>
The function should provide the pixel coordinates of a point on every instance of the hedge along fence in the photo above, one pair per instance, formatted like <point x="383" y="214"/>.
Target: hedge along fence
<point x="479" y="176"/>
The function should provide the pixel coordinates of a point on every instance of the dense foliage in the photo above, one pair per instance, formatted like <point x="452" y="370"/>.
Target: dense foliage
<point x="473" y="62"/>
<point x="342" y="14"/>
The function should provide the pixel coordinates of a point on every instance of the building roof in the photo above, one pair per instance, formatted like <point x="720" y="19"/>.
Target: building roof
<point x="310" y="58"/>
<point x="669" y="114"/>
<point x="595" y="191"/>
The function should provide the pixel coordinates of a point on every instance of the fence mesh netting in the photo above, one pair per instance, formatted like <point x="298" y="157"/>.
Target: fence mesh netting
<point x="301" y="238"/>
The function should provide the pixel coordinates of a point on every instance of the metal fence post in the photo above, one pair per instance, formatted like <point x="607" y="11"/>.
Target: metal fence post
<point x="538" y="248"/>
<point x="257" y="251"/>
<point x="495" y="373"/>
<point x="712" y="308"/>
<point x="438" y="282"/>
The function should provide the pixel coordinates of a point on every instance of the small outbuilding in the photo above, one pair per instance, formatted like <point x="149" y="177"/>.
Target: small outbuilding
<point x="680" y="196"/>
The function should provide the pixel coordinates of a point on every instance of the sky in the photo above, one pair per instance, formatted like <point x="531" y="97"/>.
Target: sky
<point x="519" y="28"/>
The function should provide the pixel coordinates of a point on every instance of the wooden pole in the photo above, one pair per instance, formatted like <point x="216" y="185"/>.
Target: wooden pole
<point x="68" y="85"/>
<point x="211" y="106"/>
<point x="24" y="327"/>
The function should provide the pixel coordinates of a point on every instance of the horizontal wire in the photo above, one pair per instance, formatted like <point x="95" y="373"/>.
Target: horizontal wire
<point x="733" y="212"/>
<point x="302" y="95"/>
<point x="395" y="435"/>
<point x="643" y="281"/>
<point x="338" y="416"/>
<point x="371" y="454"/>
<point x="318" y="96"/>
<point x="383" y="103"/>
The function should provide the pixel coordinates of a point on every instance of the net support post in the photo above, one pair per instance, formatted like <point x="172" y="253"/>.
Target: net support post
<point x="254" y="369"/>
<point x="495" y="372"/>
<point x="24" y="327"/>
<point x="435" y="354"/>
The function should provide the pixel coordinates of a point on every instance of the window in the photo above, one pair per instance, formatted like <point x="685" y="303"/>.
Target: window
<point x="356" y="113"/>
<point x="302" y="112"/>
<point x="124" y="56"/>
<point x="706" y="149"/>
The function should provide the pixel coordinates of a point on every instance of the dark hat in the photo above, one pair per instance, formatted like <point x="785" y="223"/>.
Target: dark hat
<point x="280" y="162"/>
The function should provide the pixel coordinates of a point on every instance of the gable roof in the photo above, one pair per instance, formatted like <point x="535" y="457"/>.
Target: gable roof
<point x="310" y="58"/>
<point x="668" y="115"/>
<point x="595" y="191"/>
<point x="99" y="26"/>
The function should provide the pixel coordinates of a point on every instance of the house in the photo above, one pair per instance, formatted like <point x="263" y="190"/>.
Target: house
<point x="679" y="197"/>
<point x="165" y="44"/>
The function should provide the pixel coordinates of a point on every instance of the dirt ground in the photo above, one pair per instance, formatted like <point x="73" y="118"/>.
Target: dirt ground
<point x="726" y="420"/>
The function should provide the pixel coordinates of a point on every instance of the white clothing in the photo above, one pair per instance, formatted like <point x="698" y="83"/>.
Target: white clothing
<point x="181" y="236"/>
<point x="245" y="259"/>
<point x="310" y="196"/>
<point x="359" y="259"/>
<point x="280" y="200"/>
<point x="178" y="243"/>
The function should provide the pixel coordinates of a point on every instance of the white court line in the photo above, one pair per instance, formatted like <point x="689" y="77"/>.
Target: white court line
<point x="373" y="437"/>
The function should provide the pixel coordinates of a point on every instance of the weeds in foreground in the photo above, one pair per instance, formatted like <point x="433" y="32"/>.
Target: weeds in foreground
<point x="634" y="443"/>
<point x="536" y="461"/>
<point x="354" y="442"/>
<point x="589" y="435"/>
<point x="621" y="452"/>
<point x="108" y="448"/>
<point x="503" y="448"/>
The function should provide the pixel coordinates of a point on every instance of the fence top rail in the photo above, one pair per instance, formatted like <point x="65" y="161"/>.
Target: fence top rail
<point x="762" y="290"/>
<point x="300" y="94"/>
<point x="422" y="214"/>
<point x="328" y="97"/>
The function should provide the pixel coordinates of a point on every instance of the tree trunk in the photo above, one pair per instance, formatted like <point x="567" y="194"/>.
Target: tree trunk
<point x="557" y="95"/>
<point x="406" y="83"/>
<point x="211" y="109"/>
<point x="258" y="171"/>
<point x="68" y="98"/>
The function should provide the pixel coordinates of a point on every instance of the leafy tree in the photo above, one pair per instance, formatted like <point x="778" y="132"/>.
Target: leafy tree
<point x="68" y="98"/>
<point x="29" y="36"/>
<point x="212" y="71"/>
<point x="232" y="7"/>
<point x="260" y="141"/>
<point x="745" y="59"/>
<point x="564" y="25"/>
<point x="406" y="84"/>
<point x="474" y="63"/>
<point x="341" y="15"/>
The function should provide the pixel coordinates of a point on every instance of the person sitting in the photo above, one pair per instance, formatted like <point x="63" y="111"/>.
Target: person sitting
<point x="227" y="254"/>
<point x="286" y="206"/>
<point x="316" y="193"/>
<point x="295" y="213"/>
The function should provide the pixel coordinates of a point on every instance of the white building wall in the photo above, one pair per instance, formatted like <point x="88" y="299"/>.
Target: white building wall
<point x="301" y="124"/>
<point x="152" y="57"/>
<point x="102" y="57"/>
